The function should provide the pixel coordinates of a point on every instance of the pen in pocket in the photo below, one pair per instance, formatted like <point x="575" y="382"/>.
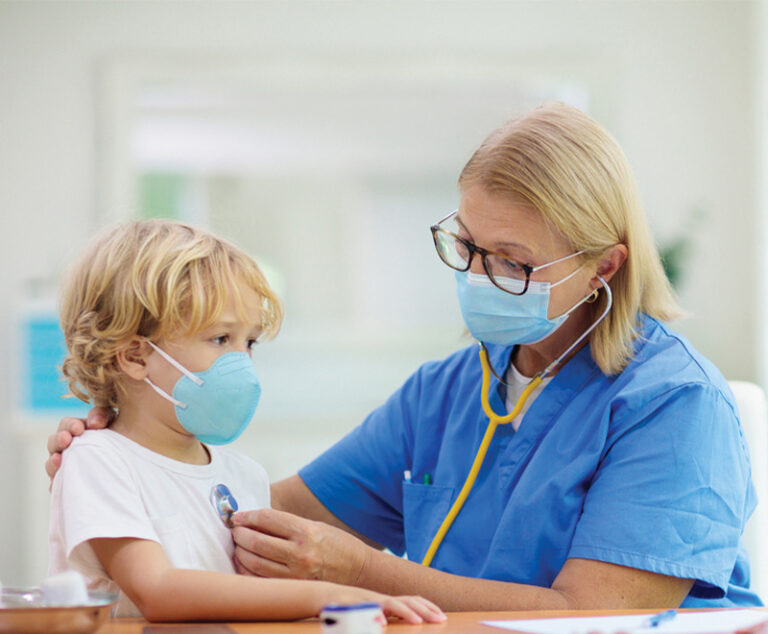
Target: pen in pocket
<point x="427" y="479"/>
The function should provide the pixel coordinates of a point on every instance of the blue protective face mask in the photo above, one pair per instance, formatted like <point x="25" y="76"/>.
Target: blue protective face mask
<point x="493" y="316"/>
<point x="217" y="404"/>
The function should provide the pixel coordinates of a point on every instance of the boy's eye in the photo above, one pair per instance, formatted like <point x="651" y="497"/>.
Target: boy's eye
<point x="251" y="343"/>
<point x="221" y="340"/>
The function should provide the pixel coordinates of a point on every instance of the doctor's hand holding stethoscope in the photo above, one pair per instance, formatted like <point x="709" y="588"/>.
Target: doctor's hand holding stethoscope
<point x="590" y="458"/>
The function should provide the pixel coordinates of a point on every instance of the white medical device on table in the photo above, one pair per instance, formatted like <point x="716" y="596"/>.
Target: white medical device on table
<point x="360" y="618"/>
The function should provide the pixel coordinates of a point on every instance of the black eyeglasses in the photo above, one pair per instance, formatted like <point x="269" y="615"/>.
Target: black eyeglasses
<point x="508" y="275"/>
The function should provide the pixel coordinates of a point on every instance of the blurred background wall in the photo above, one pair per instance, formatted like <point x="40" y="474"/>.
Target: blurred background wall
<point x="325" y="138"/>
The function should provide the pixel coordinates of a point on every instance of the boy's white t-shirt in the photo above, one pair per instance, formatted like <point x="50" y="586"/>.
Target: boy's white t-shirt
<point x="109" y="486"/>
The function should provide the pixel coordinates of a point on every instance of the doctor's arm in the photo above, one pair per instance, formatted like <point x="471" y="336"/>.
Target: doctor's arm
<point x="278" y="543"/>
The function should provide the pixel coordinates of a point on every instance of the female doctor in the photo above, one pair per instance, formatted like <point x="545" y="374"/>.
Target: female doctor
<point x="622" y="479"/>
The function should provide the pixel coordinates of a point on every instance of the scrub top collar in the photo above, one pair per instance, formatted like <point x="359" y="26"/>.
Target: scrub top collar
<point x="571" y="376"/>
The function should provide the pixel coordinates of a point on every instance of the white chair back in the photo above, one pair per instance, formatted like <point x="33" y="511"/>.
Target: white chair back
<point x="753" y="412"/>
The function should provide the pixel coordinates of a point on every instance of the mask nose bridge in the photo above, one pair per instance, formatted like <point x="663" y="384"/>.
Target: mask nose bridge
<point x="232" y="362"/>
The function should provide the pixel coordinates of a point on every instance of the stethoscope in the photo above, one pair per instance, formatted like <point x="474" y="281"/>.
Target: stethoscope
<point x="224" y="503"/>
<point x="494" y="420"/>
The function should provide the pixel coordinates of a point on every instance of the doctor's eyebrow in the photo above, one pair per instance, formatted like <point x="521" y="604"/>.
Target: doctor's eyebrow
<point x="515" y="245"/>
<point x="462" y="225"/>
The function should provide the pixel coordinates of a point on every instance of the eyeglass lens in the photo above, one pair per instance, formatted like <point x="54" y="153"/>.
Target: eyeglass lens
<point x="456" y="252"/>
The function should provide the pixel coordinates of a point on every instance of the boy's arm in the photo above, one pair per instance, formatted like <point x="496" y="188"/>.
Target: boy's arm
<point x="164" y="593"/>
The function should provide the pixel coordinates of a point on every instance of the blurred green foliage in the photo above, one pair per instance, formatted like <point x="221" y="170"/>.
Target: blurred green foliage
<point x="676" y="251"/>
<point x="160" y="195"/>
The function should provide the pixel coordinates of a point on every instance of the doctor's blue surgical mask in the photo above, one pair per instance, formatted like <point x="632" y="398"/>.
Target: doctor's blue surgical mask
<point x="217" y="404"/>
<point x="493" y="316"/>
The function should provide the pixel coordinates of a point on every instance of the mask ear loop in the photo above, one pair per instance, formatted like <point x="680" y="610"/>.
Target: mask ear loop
<point x="194" y="378"/>
<point x="603" y="315"/>
<point x="165" y="394"/>
<point x="567" y="277"/>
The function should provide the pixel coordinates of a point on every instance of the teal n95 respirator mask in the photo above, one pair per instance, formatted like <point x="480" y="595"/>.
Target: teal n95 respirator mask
<point x="217" y="404"/>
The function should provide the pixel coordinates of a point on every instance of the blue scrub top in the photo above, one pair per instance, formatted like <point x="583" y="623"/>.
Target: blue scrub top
<point x="647" y="469"/>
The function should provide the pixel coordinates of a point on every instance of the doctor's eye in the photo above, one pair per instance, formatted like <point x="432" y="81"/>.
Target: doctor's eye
<point x="504" y="267"/>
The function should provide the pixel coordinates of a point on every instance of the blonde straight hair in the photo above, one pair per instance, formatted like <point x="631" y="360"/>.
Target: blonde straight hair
<point x="574" y="173"/>
<point x="152" y="278"/>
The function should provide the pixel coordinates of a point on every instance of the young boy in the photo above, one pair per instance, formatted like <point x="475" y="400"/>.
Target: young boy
<point x="160" y="320"/>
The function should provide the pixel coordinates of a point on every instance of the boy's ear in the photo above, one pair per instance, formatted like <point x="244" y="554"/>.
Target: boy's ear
<point x="132" y="358"/>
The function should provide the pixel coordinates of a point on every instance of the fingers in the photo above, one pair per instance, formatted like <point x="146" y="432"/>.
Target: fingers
<point x="270" y="521"/>
<point x="74" y="426"/>
<point x="259" y="566"/>
<point x="99" y="417"/>
<point x="395" y="607"/>
<point x="266" y="546"/>
<point x="413" y="610"/>
<point x="308" y="549"/>
<point x="425" y="609"/>
<point x="68" y="428"/>
<point x="60" y="440"/>
<point x="269" y="550"/>
<point x="52" y="465"/>
<point x="239" y="568"/>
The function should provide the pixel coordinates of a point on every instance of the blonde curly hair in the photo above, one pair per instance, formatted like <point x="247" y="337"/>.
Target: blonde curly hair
<point x="152" y="278"/>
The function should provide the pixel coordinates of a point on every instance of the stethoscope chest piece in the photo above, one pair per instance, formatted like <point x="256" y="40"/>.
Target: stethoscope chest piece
<point x="224" y="503"/>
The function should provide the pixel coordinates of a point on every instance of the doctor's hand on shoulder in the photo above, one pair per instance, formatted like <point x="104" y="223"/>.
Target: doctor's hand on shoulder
<point x="98" y="418"/>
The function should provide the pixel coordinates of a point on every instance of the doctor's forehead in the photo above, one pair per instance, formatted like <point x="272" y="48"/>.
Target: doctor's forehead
<point x="496" y="222"/>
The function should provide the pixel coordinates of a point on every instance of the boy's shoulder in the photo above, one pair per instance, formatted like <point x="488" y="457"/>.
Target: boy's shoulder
<point x="114" y="451"/>
<point x="98" y="451"/>
<point x="101" y="439"/>
<point x="233" y="460"/>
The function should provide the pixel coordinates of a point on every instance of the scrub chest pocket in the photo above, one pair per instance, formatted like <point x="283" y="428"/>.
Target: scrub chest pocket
<point x="424" y="507"/>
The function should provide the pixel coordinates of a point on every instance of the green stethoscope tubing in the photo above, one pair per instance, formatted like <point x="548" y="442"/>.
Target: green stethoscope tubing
<point x="494" y="420"/>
